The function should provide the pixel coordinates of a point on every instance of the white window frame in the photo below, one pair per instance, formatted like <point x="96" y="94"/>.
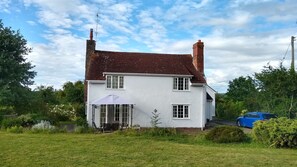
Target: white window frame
<point x="114" y="82"/>
<point x="117" y="113"/>
<point x="181" y="84"/>
<point x="185" y="107"/>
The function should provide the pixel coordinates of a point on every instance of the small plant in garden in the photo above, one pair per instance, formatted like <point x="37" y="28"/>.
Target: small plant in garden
<point x="226" y="134"/>
<point x="43" y="126"/>
<point x="15" y="129"/>
<point x="155" y="119"/>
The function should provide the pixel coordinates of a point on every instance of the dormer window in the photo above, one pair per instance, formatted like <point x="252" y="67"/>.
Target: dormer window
<point x="180" y="84"/>
<point x="114" y="82"/>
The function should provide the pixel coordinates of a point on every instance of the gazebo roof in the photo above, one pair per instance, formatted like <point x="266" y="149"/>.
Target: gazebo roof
<point x="111" y="99"/>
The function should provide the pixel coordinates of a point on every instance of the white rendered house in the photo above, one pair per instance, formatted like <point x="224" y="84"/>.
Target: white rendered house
<point x="123" y="88"/>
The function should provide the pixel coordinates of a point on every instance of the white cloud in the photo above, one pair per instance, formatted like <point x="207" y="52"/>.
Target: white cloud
<point x="240" y="36"/>
<point x="4" y="6"/>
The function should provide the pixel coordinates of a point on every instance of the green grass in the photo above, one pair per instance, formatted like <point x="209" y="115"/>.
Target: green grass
<point x="118" y="150"/>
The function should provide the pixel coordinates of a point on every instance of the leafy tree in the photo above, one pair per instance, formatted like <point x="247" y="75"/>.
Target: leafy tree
<point x="47" y="94"/>
<point x="72" y="92"/>
<point x="241" y="88"/>
<point x="278" y="90"/>
<point x="244" y="89"/>
<point x="15" y="71"/>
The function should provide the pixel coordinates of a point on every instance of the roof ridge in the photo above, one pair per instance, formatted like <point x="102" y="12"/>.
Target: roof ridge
<point x="147" y="53"/>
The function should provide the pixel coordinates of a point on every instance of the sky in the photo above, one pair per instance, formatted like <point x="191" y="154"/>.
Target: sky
<point x="240" y="36"/>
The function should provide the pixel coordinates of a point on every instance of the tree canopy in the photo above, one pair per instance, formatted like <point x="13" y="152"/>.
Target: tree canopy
<point x="274" y="90"/>
<point x="15" y="71"/>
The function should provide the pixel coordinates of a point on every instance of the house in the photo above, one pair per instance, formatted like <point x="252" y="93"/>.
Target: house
<point x="122" y="89"/>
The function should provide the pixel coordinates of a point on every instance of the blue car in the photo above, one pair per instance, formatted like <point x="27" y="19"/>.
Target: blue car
<point x="249" y="118"/>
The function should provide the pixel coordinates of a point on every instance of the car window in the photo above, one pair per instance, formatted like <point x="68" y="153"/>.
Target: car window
<point x="255" y="116"/>
<point x="268" y="116"/>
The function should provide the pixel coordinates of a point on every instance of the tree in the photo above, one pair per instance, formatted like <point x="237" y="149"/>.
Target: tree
<point x="243" y="89"/>
<point x="278" y="90"/>
<point x="15" y="71"/>
<point x="72" y="92"/>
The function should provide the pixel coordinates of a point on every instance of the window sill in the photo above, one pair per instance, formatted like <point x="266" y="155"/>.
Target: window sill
<point x="114" y="89"/>
<point x="181" y="90"/>
<point x="181" y="118"/>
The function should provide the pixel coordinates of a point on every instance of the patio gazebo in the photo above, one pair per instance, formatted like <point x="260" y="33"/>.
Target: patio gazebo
<point x="114" y="112"/>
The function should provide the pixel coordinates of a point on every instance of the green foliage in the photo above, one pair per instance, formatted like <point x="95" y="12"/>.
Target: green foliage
<point x="155" y="119"/>
<point x="278" y="132"/>
<point x="15" y="129"/>
<point x="273" y="90"/>
<point x="81" y="122"/>
<point x="72" y="92"/>
<point x="278" y="87"/>
<point x="160" y="132"/>
<point x="62" y="112"/>
<point x="22" y="120"/>
<point x="226" y="134"/>
<point x="10" y="122"/>
<point x="16" y="72"/>
<point x="228" y="109"/>
<point x="84" y="129"/>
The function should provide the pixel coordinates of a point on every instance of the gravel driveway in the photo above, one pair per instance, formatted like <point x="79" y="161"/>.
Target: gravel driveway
<point x="217" y="122"/>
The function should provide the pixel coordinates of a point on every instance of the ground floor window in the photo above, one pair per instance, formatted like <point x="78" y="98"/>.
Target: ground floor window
<point x="125" y="114"/>
<point x="102" y="115"/>
<point x="180" y="111"/>
<point x="117" y="113"/>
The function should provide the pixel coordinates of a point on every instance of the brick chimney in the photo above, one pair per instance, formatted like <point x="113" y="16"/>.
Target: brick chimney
<point x="91" y="44"/>
<point x="198" y="56"/>
<point x="90" y="49"/>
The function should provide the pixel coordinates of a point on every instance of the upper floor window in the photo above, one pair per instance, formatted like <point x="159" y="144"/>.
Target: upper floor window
<point x="114" y="82"/>
<point x="180" y="83"/>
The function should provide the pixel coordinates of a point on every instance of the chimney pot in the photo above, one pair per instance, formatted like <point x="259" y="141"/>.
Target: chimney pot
<point x="91" y="34"/>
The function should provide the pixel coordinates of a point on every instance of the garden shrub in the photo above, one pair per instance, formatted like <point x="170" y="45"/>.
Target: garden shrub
<point x="15" y="129"/>
<point x="81" y="122"/>
<point x="161" y="132"/>
<point x="26" y="120"/>
<point x="22" y="120"/>
<point x="10" y="122"/>
<point x="226" y="134"/>
<point x="62" y="112"/>
<point x="278" y="132"/>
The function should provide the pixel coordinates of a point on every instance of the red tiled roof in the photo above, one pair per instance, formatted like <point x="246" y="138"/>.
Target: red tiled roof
<point x="148" y="63"/>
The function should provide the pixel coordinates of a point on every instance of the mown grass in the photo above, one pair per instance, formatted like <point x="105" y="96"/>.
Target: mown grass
<point x="119" y="150"/>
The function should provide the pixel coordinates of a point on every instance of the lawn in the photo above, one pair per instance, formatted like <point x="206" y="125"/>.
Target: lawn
<point x="118" y="150"/>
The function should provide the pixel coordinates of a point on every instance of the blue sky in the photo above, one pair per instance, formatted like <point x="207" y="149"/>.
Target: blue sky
<point x="240" y="36"/>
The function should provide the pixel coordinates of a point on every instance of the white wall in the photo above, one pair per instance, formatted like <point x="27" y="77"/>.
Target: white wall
<point x="212" y="106"/>
<point x="154" y="92"/>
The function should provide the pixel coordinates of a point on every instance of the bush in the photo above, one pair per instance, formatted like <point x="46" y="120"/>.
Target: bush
<point x="22" y="120"/>
<point x="26" y="120"/>
<point x="226" y="134"/>
<point x="10" y="122"/>
<point x="82" y="122"/>
<point x="15" y="129"/>
<point x="161" y="132"/>
<point x="278" y="132"/>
